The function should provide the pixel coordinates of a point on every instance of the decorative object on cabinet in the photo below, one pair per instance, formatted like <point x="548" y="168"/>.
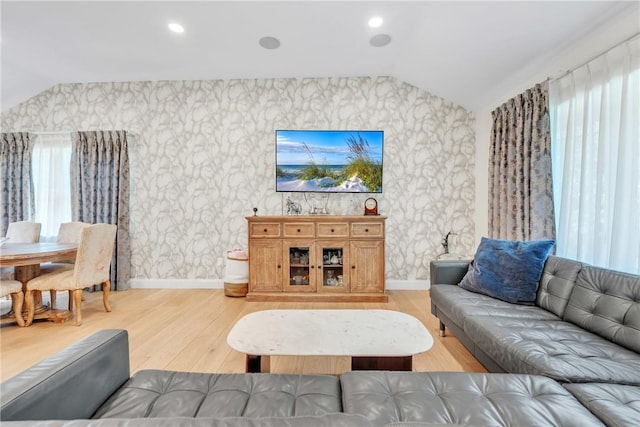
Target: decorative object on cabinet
<point x="318" y="258"/>
<point x="317" y="203"/>
<point x="293" y="208"/>
<point x="445" y="241"/>
<point x="371" y="206"/>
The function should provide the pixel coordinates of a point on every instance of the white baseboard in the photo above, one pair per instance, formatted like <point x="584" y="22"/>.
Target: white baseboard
<point x="219" y="284"/>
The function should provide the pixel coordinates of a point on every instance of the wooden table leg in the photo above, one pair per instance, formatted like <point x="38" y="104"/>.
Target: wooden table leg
<point x="258" y="363"/>
<point x="364" y="363"/>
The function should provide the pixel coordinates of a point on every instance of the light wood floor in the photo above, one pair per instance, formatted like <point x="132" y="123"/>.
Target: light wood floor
<point x="186" y="330"/>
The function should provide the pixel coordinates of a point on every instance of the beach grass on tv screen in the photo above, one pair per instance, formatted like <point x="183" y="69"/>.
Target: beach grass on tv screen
<point x="329" y="161"/>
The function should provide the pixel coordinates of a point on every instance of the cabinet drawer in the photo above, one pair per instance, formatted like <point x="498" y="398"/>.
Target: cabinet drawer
<point x="298" y="230"/>
<point x="264" y="229"/>
<point x="367" y="229"/>
<point x="340" y="229"/>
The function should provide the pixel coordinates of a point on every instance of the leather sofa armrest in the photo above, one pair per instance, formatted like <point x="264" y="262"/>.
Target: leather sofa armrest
<point x="448" y="272"/>
<point x="71" y="384"/>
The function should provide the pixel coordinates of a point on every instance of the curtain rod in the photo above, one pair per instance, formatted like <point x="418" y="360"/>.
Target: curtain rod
<point x="551" y="79"/>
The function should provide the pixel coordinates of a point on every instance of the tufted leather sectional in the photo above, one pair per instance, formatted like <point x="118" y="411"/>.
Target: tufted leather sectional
<point x="583" y="328"/>
<point x="460" y="398"/>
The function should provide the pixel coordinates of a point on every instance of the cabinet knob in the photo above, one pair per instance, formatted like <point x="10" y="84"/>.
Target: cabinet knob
<point x="366" y="230"/>
<point x="313" y="266"/>
<point x="353" y="267"/>
<point x="332" y="230"/>
<point x="319" y="267"/>
<point x="298" y="230"/>
<point x="265" y="230"/>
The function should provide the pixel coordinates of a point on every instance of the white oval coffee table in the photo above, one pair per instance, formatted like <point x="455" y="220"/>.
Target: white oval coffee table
<point x="375" y="339"/>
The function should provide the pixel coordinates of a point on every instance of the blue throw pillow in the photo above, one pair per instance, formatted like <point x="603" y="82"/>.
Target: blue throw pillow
<point x="507" y="269"/>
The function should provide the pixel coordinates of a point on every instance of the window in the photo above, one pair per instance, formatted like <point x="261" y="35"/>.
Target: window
<point x="51" y="164"/>
<point x="595" y="142"/>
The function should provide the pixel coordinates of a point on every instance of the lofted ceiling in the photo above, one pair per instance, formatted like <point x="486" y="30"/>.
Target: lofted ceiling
<point x="465" y="52"/>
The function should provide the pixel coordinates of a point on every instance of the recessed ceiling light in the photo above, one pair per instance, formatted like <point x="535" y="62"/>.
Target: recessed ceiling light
<point x="269" y="42"/>
<point x="375" y="22"/>
<point x="176" y="28"/>
<point x="380" y="40"/>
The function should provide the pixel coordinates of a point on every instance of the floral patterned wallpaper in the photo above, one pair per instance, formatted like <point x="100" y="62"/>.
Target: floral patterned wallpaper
<point x="203" y="155"/>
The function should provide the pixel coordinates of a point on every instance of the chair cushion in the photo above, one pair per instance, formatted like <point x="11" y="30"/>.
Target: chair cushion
<point x="152" y="393"/>
<point x="55" y="267"/>
<point x="507" y="270"/>
<point x="462" y="398"/>
<point x="9" y="287"/>
<point x="58" y="281"/>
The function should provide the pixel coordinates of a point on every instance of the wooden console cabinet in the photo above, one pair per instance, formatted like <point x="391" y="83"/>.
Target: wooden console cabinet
<point x="316" y="258"/>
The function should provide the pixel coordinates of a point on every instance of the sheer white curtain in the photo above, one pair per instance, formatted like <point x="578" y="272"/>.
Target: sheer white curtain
<point x="51" y="171"/>
<point x="595" y="143"/>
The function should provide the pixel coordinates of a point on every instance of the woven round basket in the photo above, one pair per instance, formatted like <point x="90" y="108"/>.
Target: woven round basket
<point x="236" y="289"/>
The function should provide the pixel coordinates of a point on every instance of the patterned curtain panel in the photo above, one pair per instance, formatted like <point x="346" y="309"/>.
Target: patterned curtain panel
<point x="520" y="180"/>
<point x="16" y="188"/>
<point x="100" y="191"/>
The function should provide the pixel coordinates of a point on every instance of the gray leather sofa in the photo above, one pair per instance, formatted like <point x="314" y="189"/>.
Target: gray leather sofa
<point x="583" y="331"/>
<point x="88" y="384"/>
<point x="584" y="327"/>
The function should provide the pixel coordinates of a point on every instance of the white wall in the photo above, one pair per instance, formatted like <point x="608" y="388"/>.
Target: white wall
<point x="614" y="31"/>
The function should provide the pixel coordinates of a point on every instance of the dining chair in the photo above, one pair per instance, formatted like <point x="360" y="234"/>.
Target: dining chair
<point x="69" y="232"/>
<point x="20" y="232"/>
<point x="91" y="267"/>
<point x="14" y="288"/>
<point x="23" y="232"/>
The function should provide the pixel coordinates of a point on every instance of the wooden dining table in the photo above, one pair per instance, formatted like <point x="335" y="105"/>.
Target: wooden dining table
<point x="26" y="258"/>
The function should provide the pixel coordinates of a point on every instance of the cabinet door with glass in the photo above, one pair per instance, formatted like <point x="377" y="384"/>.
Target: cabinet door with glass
<point x="300" y="270"/>
<point x="332" y="260"/>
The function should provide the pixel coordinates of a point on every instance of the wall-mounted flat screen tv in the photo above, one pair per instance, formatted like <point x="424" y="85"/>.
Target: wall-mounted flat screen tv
<point x="336" y="161"/>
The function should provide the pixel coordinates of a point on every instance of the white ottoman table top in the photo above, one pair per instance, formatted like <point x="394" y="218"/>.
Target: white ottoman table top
<point x="384" y="333"/>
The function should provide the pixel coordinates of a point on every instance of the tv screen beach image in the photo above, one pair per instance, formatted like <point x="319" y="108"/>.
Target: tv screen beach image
<point x="341" y="161"/>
